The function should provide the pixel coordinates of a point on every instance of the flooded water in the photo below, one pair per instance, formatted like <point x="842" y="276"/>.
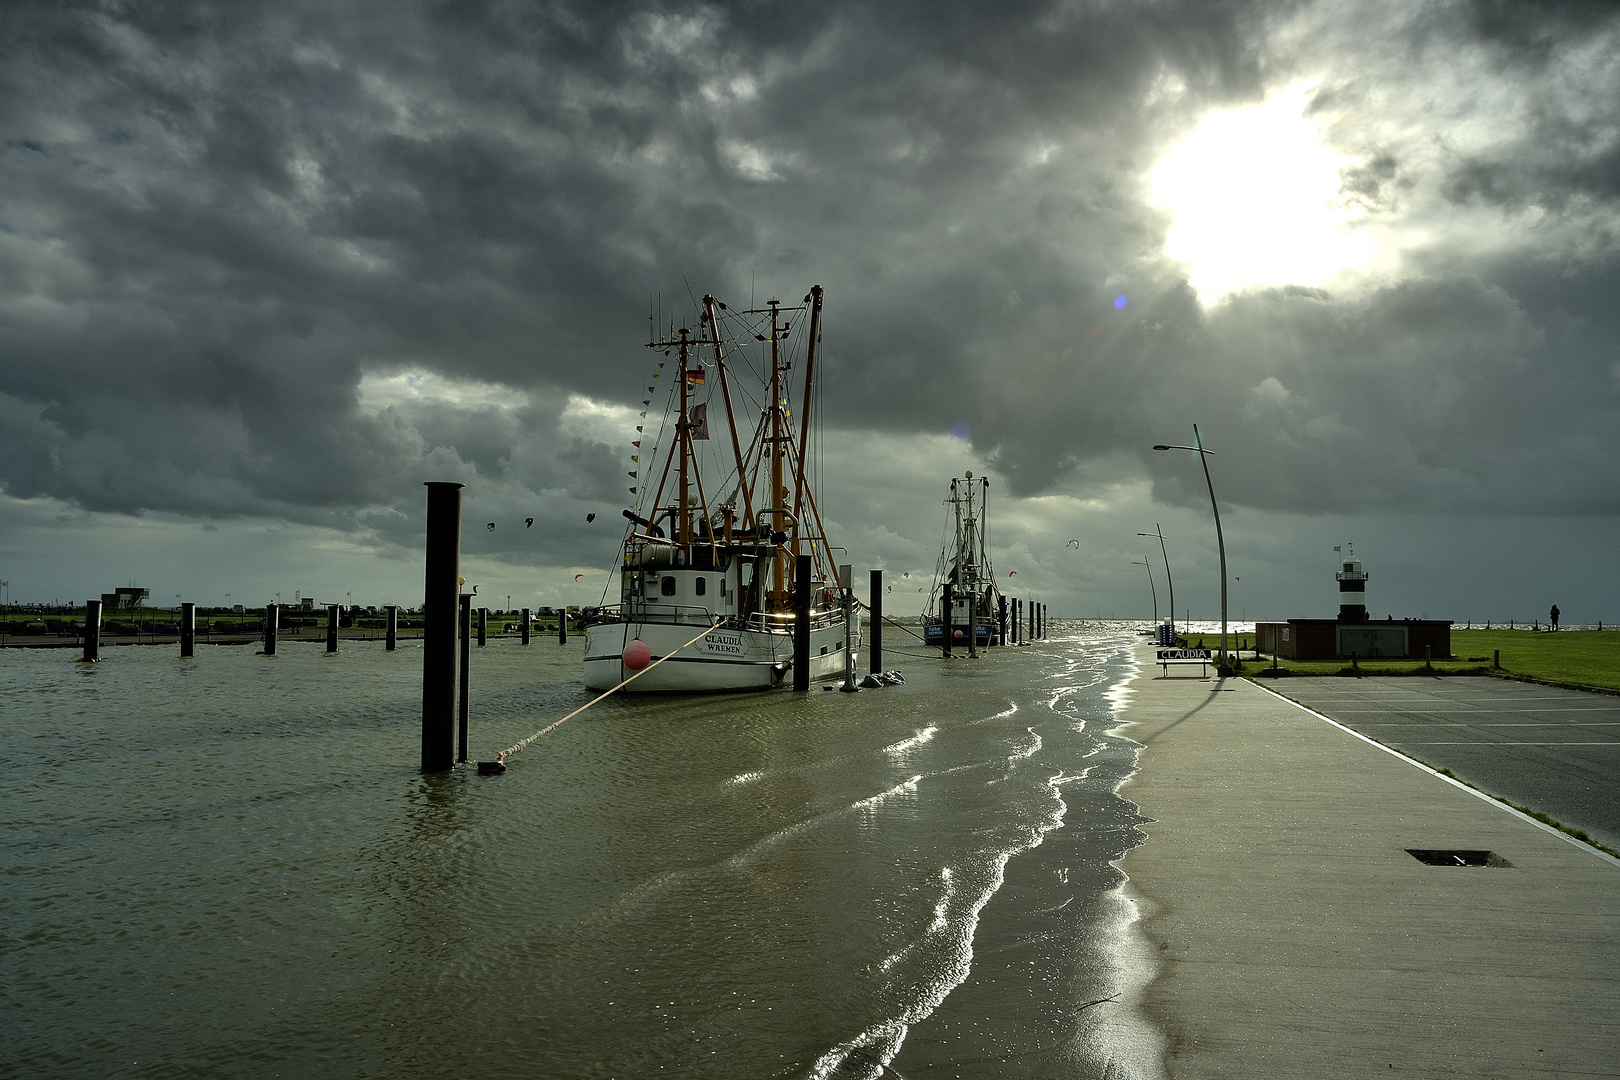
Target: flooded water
<point x="230" y="866"/>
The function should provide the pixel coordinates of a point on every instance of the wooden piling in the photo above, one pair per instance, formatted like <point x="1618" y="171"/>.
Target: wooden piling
<point x="846" y="586"/>
<point x="1001" y="620"/>
<point x="92" y="631"/>
<point x="439" y="626"/>
<point x="334" y="618"/>
<point x="188" y="629"/>
<point x="947" y="599"/>
<point x="875" y="650"/>
<point x="525" y="626"/>
<point x="483" y="627"/>
<point x="973" y="626"/>
<point x="272" y="626"/>
<point x="466" y="680"/>
<point x="393" y="627"/>
<point x="562" y="626"/>
<point x="801" y="622"/>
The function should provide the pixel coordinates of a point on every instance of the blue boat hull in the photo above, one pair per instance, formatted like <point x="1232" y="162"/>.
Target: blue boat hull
<point x="933" y="635"/>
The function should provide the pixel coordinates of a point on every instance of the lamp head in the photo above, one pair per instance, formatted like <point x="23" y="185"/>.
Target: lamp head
<point x="1161" y="446"/>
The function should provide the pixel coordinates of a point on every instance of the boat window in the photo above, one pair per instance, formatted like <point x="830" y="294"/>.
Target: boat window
<point x="667" y="586"/>
<point x="722" y="586"/>
<point x="702" y="586"/>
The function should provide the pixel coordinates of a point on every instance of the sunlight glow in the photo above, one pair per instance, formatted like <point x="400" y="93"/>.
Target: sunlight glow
<point x="1255" y="195"/>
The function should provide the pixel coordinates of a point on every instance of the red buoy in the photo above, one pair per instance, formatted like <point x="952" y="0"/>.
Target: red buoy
<point x="637" y="655"/>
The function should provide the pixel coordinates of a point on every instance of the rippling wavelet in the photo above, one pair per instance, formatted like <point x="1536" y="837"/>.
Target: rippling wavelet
<point x="230" y="866"/>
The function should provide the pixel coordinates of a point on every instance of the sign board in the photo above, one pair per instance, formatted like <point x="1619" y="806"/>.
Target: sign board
<point x="1185" y="654"/>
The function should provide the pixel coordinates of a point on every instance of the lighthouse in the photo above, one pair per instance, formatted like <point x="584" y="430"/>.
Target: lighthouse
<point x="1352" y="589"/>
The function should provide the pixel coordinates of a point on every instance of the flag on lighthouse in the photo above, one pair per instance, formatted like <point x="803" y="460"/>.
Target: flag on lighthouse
<point x="698" y="421"/>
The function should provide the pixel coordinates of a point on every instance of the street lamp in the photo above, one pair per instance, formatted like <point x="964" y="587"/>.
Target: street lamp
<point x="1159" y="532"/>
<point x="1151" y="586"/>
<point x="1220" y="542"/>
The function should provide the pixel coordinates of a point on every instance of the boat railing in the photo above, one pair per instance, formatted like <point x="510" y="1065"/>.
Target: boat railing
<point x="679" y="614"/>
<point x="781" y="622"/>
<point x="693" y="615"/>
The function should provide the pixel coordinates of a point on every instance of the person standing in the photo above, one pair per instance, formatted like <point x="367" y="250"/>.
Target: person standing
<point x="1554" y="616"/>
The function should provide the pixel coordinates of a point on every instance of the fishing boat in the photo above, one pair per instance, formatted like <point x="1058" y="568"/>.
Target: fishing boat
<point x="710" y="582"/>
<point x="964" y="571"/>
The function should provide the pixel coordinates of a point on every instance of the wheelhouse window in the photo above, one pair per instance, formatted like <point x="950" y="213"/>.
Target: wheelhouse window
<point x="667" y="586"/>
<point x="702" y="586"/>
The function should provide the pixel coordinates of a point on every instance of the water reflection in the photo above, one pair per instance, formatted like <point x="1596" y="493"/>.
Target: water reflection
<point x="244" y="872"/>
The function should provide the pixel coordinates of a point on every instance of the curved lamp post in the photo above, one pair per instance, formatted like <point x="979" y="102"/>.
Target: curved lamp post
<point x="1159" y="532"/>
<point x="1151" y="586"/>
<point x="1220" y="542"/>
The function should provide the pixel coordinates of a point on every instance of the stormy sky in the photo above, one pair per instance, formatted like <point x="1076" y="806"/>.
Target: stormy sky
<point x="266" y="268"/>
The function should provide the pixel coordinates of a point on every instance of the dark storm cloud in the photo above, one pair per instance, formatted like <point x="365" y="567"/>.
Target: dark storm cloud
<point x="218" y="220"/>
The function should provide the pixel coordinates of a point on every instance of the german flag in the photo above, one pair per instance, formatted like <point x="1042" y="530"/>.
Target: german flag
<point x="694" y="377"/>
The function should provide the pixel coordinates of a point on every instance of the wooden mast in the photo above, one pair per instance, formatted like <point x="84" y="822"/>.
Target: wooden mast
<point x="781" y="590"/>
<point x="709" y="306"/>
<point x="684" y="446"/>
<point x="804" y="413"/>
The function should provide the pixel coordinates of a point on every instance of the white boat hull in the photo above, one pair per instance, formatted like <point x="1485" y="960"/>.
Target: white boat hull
<point x="722" y="659"/>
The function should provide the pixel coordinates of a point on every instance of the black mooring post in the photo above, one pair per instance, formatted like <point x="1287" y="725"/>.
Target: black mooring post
<point x="188" y="629"/>
<point x="1001" y="620"/>
<point x="562" y="626"/>
<point x="393" y="627"/>
<point x="439" y="605"/>
<point x="272" y="625"/>
<point x="973" y="625"/>
<point x="525" y="626"/>
<point x="947" y="600"/>
<point x="1012" y="621"/>
<point x="876" y="608"/>
<point x="1043" y="620"/>
<point x="466" y="677"/>
<point x="333" y="618"/>
<point x="801" y="622"/>
<point x="483" y="627"/>
<point x="1030" y="636"/>
<point x="92" y="631"/>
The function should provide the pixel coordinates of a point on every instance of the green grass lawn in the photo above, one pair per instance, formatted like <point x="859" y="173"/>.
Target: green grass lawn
<point x="1579" y="657"/>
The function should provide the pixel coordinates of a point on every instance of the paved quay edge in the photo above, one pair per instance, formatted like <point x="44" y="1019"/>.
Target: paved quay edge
<point x="1295" y="937"/>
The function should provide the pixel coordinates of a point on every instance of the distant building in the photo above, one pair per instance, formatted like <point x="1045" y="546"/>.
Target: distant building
<point x="1353" y="634"/>
<point x="125" y="597"/>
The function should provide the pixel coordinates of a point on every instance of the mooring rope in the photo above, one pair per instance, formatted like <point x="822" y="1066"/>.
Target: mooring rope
<point x="518" y="746"/>
<point x="896" y="625"/>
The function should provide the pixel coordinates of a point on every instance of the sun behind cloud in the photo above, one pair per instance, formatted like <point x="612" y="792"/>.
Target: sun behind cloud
<point x="1255" y="198"/>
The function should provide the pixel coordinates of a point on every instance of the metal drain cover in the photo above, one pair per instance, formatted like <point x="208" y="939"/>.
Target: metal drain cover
<point x="1456" y="857"/>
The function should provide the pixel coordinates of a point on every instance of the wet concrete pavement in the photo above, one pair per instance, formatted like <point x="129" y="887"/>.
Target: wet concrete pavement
<point x="1297" y="937"/>
<point x="1557" y="751"/>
